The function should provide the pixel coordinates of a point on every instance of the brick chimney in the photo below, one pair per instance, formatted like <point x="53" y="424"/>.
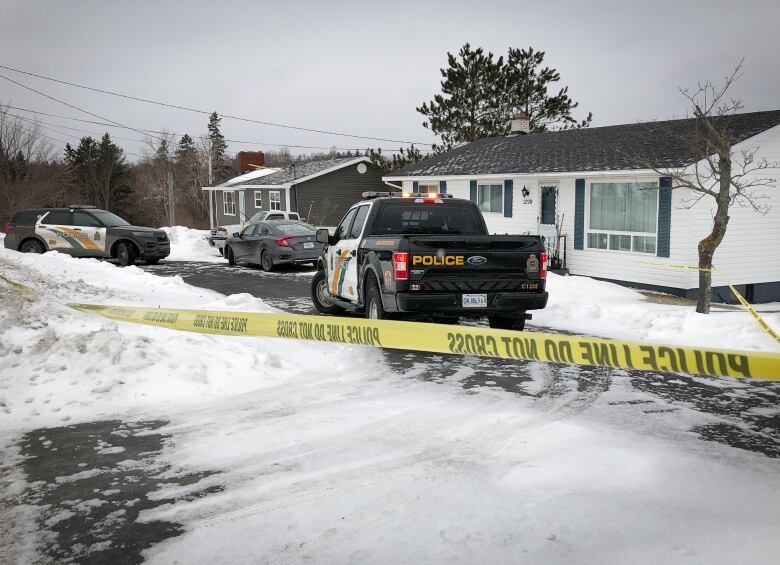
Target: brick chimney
<point x="521" y="123"/>
<point x="245" y="160"/>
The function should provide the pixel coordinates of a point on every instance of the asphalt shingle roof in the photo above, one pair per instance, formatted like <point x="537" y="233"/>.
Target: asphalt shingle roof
<point x="622" y="147"/>
<point x="297" y="171"/>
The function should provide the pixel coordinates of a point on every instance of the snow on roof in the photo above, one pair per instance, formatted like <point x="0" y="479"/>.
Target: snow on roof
<point x="240" y="179"/>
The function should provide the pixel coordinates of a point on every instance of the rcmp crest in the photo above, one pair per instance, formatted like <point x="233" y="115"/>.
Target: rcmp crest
<point x="532" y="264"/>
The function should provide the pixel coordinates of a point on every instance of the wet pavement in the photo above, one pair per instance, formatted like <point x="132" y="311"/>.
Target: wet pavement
<point x="93" y="481"/>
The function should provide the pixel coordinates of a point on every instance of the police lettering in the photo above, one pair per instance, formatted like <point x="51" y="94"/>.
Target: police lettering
<point x="434" y="261"/>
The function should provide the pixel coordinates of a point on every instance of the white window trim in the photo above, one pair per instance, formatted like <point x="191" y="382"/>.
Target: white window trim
<point x="492" y="183"/>
<point x="278" y="200"/>
<point x="232" y="194"/>
<point x="259" y="195"/>
<point x="588" y="231"/>
<point x="433" y="185"/>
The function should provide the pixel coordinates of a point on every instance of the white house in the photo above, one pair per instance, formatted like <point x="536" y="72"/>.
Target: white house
<point x="620" y="218"/>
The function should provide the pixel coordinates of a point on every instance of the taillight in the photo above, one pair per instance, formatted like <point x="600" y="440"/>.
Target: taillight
<point x="282" y="241"/>
<point x="543" y="266"/>
<point x="400" y="266"/>
<point x="8" y="228"/>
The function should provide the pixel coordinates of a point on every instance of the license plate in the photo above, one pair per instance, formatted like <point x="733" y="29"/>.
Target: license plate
<point x="308" y="245"/>
<point x="475" y="301"/>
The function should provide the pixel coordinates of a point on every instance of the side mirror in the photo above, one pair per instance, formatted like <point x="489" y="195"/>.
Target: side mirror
<point x="236" y="234"/>
<point x="323" y="236"/>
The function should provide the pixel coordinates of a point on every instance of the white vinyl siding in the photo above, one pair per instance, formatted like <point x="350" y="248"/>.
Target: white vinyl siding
<point x="275" y="200"/>
<point x="229" y="203"/>
<point x="258" y="199"/>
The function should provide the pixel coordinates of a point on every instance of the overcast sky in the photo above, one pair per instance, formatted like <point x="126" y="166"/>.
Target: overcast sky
<point x="363" y="67"/>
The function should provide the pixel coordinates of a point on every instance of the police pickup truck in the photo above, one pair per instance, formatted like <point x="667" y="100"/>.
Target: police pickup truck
<point x="428" y="256"/>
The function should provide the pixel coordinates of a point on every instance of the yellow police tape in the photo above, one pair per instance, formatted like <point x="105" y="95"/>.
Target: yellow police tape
<point x="752" y="311"/>
<point x="437" y="338"/>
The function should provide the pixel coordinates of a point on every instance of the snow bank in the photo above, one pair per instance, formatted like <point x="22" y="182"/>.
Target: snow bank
<point x="588" y="306"/>
<point x="188" y="244"/>
<point x="74" y="367"/>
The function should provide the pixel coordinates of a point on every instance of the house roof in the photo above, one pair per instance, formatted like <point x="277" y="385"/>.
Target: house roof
<point x="246" y="177"/>
<point x="300" y="172"/>
<point x="623" y="147"/>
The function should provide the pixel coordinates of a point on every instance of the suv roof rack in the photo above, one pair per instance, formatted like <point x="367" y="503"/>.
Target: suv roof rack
<point x="372" y="194"/>
<point x="82" y="207"/>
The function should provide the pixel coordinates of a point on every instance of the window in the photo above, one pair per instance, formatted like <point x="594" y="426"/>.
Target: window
<point x="258" y="199"/>
<point x="432" y="219"/>
<point x="275" y="217"/>
<point x="490" y="197"/>
<point x="623" y="216"/>
<point x="360" y="219"/>
<point x="58" y="218"/>
<point x="85" y="220"/>
<point x="229" y="203"/>
<point x="295" y="229"/>
<point x="294" y="216"/>
<point x="343" y="230"/>
<point x="275" y="198"/>
<point x="428" y="188"/>
<point x="109" y="219"/>
<point x="547" y="215"/>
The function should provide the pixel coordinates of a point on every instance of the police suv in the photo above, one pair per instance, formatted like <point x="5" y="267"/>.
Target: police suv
<point x="85" y="231"/>
<point x="428" y="256"/>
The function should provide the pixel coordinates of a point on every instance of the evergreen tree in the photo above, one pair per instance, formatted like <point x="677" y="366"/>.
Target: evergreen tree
<point x="472" y="104"/>
<point x="527" y="86"/>
<point x="221" y="168"/>
<point x="480" y="94"/>
<point x="100" y="173"/>
<point x="401" y="159"/>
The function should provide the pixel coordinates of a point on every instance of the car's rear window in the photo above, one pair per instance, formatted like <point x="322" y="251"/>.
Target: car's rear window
<point x="428" y="218"/>
<point x="295" y="229"/>
<point x="26" y="218"/>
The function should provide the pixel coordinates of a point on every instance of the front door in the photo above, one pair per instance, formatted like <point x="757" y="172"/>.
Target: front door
<point x="548" y="213"/>
<point x="342" y="260"/>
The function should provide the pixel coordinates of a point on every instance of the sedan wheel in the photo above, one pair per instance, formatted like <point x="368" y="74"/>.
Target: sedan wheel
<point x="267" y="262"/>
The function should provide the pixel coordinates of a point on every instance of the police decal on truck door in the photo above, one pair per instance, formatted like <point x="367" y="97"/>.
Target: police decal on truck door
<point x="58" y="230"/>
<point x="342" y="256"/>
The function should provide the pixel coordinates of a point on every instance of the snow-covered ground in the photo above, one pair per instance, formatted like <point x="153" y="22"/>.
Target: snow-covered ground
<point x="325" y="455"/>
<point x="188" y="244"/>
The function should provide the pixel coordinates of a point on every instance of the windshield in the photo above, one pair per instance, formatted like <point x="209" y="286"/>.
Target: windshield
<point x="295" y="229"/>
<point x="110" y="219"/>
<point x="408" y="218"/>
<point x="257" y="217"/>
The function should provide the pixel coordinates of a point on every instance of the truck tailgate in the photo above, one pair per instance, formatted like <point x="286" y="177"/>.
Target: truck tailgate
<point x="510" y="263"/>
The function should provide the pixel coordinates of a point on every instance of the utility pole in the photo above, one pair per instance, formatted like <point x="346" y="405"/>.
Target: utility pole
<point x="171" y="203"/>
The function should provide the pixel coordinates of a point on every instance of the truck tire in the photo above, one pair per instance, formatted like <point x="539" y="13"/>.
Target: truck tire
<point x="319" y="292"/>
<point x="502" y="323"/>
<point x="32" y="246"/>
<point x="374" y="308"/>
<point x="229" y="256"/>
<point x="125" y="254"/>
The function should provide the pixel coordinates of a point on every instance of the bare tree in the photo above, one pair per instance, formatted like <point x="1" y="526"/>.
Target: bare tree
<point x="718" y="171"/>
<point x="29" y="175"/>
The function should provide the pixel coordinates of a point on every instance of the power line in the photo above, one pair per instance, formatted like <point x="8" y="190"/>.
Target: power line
<point x="188" y="109"/>
<point x="66" y="133"/>
<point x="70" y="105"/>
<point x="262" y="143"/>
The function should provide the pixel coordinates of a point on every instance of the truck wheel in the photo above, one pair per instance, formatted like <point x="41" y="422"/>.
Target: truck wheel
<point x="125" y="253"/>
<point x="32" y="246"/>
<point x="374" y="308"/>
<point x="501" y="323"/>
<point x="230" y="257"/>
<point x="319" y="295"/>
